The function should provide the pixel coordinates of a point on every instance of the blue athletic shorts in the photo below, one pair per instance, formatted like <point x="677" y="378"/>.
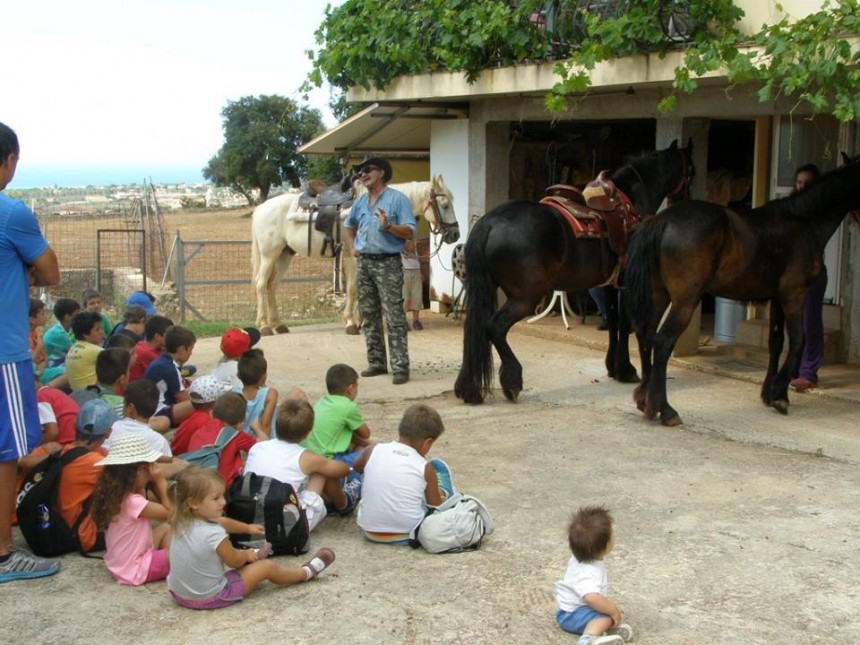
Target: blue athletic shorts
<point x="20" y="430"/>
<point x="576" y="621"/>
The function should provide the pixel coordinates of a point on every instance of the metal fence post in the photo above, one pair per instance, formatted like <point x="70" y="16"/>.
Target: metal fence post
<point x="180" y="274"/>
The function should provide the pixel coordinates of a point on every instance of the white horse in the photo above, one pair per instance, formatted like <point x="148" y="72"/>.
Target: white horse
<point x="280" y="230"/>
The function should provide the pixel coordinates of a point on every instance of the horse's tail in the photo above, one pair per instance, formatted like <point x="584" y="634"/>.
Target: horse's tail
<point x="643" y="258"/>
<point x="255" y="257"/>
<point x="476" y="372"/>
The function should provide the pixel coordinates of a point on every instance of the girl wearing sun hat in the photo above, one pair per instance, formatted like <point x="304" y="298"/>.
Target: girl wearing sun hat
<point x="135" y="553"/>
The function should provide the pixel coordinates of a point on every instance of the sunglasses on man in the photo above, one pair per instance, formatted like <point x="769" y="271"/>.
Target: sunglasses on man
<point x="367" y="170"/>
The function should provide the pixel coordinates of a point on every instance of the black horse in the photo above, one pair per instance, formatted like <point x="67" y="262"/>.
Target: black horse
<point x="773" y="252"/>
<point x="528" y="250"/>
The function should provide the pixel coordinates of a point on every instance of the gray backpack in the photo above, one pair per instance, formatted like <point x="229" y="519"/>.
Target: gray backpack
<point x="459" y="523"/>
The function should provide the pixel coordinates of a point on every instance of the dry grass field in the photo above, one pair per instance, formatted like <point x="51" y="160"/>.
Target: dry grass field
<point x="79" y="247"/>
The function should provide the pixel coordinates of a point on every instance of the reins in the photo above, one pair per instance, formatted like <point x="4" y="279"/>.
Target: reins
<point x="438" y="226"/>
<point x="683" y="187"/>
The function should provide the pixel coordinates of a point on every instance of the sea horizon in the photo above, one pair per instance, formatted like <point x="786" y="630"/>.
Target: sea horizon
<point x="29" y="176"/>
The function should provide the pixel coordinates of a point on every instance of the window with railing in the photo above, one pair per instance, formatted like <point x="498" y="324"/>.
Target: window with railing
<point x="566" y="21"/>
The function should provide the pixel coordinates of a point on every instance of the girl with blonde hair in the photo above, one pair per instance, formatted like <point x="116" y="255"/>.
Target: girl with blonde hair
<point x="208" y="572"/>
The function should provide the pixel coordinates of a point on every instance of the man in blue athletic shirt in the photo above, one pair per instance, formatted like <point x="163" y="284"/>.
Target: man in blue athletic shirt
<point x="25" y="260"/>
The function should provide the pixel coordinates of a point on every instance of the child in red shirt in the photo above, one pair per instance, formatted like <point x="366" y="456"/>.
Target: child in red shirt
<point x="203" y="393"/>
<point x="65" y="410"/>
<point x="149" y="349"/>
<point x="229" y="410"/>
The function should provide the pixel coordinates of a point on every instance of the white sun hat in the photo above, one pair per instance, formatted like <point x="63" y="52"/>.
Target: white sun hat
<point x="130" y="449"/>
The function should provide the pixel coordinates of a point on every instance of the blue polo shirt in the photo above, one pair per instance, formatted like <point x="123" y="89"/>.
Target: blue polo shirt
<point x="369" y="238"/>
<point x="21" y="243"/>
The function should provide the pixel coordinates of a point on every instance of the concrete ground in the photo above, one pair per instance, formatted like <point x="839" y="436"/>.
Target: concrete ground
<point x="739" y="526"/>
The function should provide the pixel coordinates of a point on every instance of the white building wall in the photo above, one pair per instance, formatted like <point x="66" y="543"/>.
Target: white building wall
<point x="449" y="157"/>
<point x="759" y="12"/>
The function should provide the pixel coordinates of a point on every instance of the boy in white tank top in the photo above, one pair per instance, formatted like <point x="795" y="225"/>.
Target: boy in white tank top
<point x="315" y="478"/>
<point x="399" y="483"/>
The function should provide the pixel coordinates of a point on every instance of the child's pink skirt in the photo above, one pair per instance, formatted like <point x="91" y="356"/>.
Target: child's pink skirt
<point x="232" y="593"/>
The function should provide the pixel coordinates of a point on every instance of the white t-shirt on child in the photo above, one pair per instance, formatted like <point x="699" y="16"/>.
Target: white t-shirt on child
<point x="580" y="579"/>
<point x="132" y="426"/>
<point x="393" y="489"/>
<point x="279" y="460"/>
<point x="228" y="372"/>
<point x="196" y="570"/>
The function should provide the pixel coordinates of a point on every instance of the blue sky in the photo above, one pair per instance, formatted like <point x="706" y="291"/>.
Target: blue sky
<point x="133" y="83"/>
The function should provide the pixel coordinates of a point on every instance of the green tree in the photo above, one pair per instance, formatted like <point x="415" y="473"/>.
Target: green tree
<point x="371" y="43"/>
<point x="816" y="60"/>
<point x="262" y="136"/>
<point x="326" y="168"/>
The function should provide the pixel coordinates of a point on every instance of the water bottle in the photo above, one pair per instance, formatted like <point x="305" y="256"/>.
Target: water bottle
<point x="44" y="517"/>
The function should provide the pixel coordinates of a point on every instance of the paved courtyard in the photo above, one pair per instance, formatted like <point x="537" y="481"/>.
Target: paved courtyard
<point x="739" y="526"/>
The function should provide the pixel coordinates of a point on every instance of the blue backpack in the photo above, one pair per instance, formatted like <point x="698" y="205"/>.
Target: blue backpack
<point x="208" y="456"/>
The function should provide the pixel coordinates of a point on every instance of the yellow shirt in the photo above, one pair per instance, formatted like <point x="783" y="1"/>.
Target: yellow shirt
<point x="81" y="364"/>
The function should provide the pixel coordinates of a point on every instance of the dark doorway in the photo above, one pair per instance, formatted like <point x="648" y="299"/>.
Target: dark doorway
<point x="731" y="146"/>
<point x="544" y="153"/>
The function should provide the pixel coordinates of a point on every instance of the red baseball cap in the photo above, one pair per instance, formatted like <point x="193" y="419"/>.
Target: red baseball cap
<point x="236" y="342"/>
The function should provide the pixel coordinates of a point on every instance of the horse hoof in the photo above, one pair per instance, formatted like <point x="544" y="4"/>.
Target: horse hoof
<point x="352" y="330"/>
<point x="629" y="378"/>
<point x="282" y="329"/>
<point x="640" y="405"/>
<point x="511" y="395"/>
<point x="266" y="331"/>
<point x="673" y="421"/>
<point x="781" y="406"/>
<point x="475" y="399"/>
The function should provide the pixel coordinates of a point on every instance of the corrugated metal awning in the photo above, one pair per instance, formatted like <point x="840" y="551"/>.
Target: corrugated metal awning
<point x="401" y="130"/>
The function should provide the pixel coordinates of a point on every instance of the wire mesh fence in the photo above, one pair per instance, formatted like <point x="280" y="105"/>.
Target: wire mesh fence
<point x="213" y="283"/>
<point x="209" y="266"/>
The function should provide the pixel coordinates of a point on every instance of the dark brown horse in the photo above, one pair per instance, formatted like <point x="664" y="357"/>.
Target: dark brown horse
<point x="773" y="252"/>
<point x="527" y="250"/>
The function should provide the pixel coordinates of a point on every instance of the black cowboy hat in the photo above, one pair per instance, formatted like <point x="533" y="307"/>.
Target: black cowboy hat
<point x="378" y="162"/>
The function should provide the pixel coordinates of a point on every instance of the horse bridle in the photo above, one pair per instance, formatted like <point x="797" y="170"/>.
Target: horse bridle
<point x="439" y="226"/>
<point x="683" y="187"/>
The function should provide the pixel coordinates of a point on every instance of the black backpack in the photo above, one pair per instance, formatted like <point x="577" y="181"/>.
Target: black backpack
<point x="275" y="505"/>
<point x="42" y="525"/>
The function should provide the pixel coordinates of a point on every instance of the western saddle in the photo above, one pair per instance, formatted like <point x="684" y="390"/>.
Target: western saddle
<point x="599" y="212"/>
<point x="325" y="205"/>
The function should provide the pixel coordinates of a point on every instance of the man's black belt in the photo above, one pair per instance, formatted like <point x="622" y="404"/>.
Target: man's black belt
<point x="379" y="256"/>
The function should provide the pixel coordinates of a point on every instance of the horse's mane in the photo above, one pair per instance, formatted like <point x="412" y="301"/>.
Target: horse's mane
<point x="404" y="187"/>
<point x="628" y="159"/>
<point x="835" y="190"/>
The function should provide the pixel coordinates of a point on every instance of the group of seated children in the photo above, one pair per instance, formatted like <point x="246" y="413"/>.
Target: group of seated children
<point x="151" y="531"/>
<point x="64" y="355"/>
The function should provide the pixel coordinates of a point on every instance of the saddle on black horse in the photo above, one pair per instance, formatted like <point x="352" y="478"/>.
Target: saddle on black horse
<point x="324" y="206"/>
<point x="600" y="212"/>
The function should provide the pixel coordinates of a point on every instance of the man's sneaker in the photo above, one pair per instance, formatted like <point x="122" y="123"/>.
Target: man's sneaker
<point x="444" y="477"/>
<point x="22" y="565"/>
<point x="623" y="630"/>
<point x="374" y="370"/>
<point x="400" y="378"/>
<point x="317" y="564"/>
<point x="601" y="640"/>
<point x="352" y="492"/>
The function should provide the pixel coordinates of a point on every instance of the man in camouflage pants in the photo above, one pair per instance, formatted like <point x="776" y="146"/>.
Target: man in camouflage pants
<point x="377" y="227"/>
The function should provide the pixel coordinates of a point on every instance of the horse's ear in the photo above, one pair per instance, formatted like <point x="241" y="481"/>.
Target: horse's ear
<point x="846" y="160"/>
<point x="673" y="145"/>
<point x="690" y="147"/>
